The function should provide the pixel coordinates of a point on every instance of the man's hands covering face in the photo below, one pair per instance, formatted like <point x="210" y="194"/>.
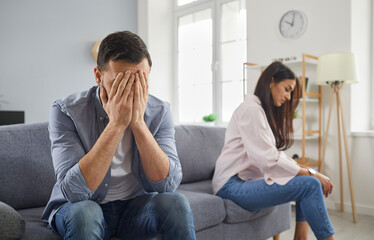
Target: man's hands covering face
<point x="119" y="102"/>
<point x="127" y="100"/>
<point x="140" y="99"/>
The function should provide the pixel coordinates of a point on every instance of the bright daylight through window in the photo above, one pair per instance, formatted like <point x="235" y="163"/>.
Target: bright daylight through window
<point x="211" y="48"/>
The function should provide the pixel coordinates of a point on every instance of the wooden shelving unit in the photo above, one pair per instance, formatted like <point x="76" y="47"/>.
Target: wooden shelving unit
<point x="310" y="132"/>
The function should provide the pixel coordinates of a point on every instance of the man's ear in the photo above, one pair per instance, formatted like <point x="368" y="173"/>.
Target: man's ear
<point x="98" y="75"/>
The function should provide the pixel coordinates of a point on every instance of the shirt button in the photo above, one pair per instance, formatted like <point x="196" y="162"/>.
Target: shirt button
<point x="106" y="117"/>
<point x="106" y="184"/>
<point x="101" y="118"/>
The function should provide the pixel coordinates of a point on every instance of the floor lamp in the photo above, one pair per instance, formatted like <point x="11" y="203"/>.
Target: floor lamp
<point x="336" y="69"/>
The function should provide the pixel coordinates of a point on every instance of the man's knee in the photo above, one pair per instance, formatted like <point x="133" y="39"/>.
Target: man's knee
<point x="173" y="202"/>
<point x="86" y="213"/>
<point x="80" y="220"/>
<point x="175" y="210"/>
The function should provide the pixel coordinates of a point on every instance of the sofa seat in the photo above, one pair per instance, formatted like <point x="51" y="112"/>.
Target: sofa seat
<point x="236" y="214"/>
<point x="232" y="212"/>
<point x="35" y="228"/>
<point x="208" y="209"/>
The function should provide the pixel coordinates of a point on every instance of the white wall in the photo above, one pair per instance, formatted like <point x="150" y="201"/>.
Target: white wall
<point x="155" y="26"/>
<point x="329" y="29"/>
<point x="45" y="48"/>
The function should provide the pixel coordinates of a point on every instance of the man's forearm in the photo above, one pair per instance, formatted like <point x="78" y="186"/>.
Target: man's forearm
<point x="155" y="162"/>
<point x="95" y="164"/>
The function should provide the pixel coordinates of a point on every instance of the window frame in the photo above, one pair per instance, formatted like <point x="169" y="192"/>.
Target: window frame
<point x="371" y="97"/>
<point x="180" y="11"/>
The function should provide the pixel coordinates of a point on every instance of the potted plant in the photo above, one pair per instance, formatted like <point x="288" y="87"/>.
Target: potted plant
<point x="209" y="119"/>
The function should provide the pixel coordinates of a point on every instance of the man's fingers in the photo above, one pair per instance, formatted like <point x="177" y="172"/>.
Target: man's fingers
<point x="127" y="91"/>
<point x="103" y="95"/>
<point x="146" y="80"/>
<point x="140" y="88"/>
<point x="142" y="80"/>
<point x="115" y="84"/>
<point x="145" y="93"/>
<point x="130" y="98"/>
<point x="122" y="86"/>
<point x="139" y="92"/>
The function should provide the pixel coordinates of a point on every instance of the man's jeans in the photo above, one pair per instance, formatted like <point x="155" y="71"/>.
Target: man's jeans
<point x="167" y="215"/>
<point x="305" y="190"/>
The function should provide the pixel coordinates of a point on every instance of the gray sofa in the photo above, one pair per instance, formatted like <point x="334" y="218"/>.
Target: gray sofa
<point x="27" y="178"/>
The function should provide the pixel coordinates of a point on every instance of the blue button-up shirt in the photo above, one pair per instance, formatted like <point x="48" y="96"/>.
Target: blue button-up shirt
<point x="76" y="123"/>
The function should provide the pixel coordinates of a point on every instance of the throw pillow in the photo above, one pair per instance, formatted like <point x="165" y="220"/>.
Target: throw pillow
<point x="12" y="225"/>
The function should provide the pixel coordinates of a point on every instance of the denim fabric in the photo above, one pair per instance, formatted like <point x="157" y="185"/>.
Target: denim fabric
<point x="167" y="215"/>
<point x="305" y="190"/>
<point x="76" y="123"/>
<point x="81" y="220"/>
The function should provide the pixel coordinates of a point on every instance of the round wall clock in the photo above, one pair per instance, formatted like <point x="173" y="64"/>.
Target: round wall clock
<point x="292" y="24"/>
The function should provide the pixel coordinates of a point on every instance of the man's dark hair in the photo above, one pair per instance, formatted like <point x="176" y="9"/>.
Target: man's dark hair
<point x="122" y="46"/>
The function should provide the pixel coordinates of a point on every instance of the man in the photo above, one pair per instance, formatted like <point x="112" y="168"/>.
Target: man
<point x="114" y="154"/>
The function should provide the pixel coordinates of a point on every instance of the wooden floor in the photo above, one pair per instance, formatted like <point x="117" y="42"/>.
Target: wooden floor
<point x="344" y="227"/>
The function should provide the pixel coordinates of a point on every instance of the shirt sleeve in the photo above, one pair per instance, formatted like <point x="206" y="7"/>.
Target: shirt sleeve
<point x="165" y="139"/>
<point x="67" y="150"/>
<point x="259" y="144"/>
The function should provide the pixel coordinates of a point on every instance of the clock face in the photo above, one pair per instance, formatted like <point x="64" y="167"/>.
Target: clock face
<point x="292" y="24"/>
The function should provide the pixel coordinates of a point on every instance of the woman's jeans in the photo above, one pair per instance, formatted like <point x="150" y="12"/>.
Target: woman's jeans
<point x="166" y="214"/>
<point x="305" y="190"/>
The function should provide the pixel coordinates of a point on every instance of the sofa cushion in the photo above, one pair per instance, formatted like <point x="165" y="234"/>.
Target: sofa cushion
<point x="26" y="169"/>
<point x="35" y="228"/>
<point x="208" y="209"/>
<point x="236" y="214"/>
<point x="12" y="225"/>
<point x="201" y="187"/>
<point x="198" y="149"/>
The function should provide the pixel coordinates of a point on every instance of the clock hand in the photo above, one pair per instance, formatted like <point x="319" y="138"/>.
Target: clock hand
<point x="293" y="19"/>
<point x="289" y="23"/>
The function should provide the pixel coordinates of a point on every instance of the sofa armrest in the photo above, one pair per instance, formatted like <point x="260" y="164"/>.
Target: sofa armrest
<point x="12" y="225"/>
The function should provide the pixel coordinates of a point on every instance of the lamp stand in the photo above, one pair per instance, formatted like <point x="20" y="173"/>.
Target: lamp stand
<point x="335" y="87"/>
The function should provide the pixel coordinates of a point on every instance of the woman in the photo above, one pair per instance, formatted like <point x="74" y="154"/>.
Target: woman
<point x="255" y="173"/>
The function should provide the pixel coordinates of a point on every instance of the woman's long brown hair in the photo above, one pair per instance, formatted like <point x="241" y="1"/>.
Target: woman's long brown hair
<point x="280" y="118"/>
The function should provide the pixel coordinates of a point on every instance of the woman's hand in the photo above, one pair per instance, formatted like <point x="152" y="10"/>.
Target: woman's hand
<point x="326" y="183"/>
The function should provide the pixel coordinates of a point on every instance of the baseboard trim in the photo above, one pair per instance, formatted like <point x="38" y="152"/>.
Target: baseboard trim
<point x="360" y="208"/>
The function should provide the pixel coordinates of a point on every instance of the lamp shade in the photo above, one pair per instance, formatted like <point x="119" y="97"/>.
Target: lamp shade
<point x="95" y="50"/>
<point x="339" y="66"/>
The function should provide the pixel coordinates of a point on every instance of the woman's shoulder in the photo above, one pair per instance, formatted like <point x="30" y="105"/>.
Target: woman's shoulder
<point x="251" y="103"/>
<point x="252" y="99"/>
<point x="249" y="109"/>
<point x="250" y="112"/>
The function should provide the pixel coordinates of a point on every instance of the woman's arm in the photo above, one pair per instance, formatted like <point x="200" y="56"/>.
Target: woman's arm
<point x="326" y="183"/>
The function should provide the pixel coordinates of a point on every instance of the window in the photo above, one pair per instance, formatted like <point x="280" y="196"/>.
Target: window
<point x="194" y="65"/>
<point x="184" y="2"/>
<point x="371" y="72"/>
<point x="362" y="42"/>
<point x="233" y="45"/>
<point x="211" y="48"/>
